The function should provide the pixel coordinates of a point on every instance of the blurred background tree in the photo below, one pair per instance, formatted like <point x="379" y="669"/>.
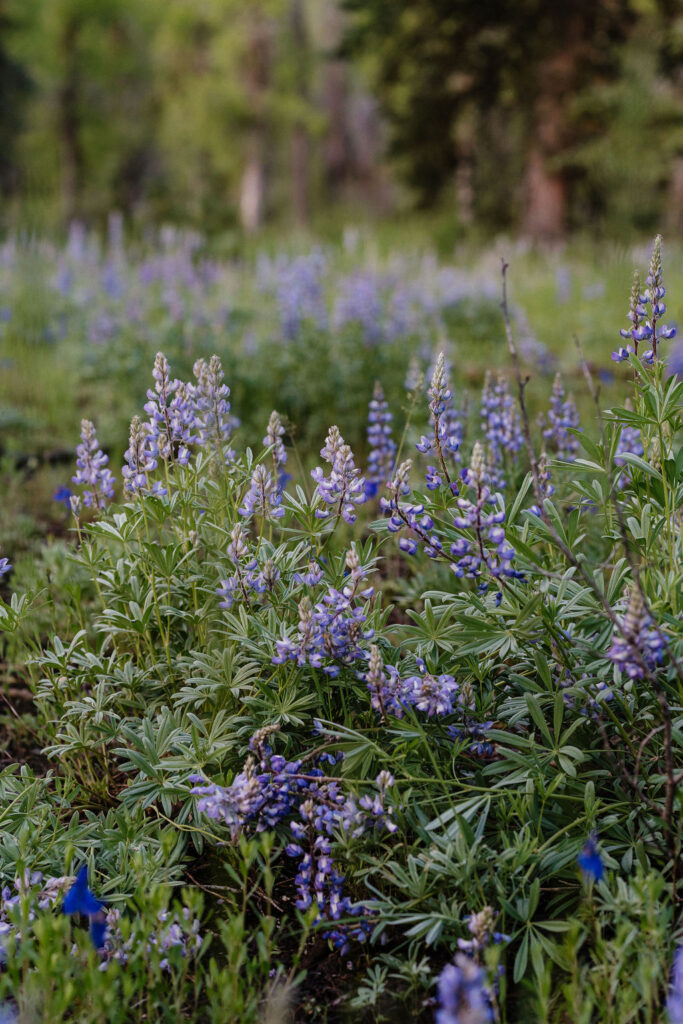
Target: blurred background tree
<point x="529" y="116"/>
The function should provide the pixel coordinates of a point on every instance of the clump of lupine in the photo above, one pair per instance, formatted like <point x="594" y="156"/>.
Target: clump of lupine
<point x="457" y="711"/>
<point x="272" y="791"/>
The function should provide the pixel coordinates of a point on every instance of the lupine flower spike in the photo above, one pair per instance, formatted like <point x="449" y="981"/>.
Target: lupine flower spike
<point x="344" y="487"/>
<point x="639" y="646"/>
<point x="92" y="469"/>
<point x="382" y="445"/>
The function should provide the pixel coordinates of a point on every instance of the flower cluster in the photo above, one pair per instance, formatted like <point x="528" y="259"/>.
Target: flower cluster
<point x="413" y="517"/>
<point x="270" y="790"/>
<point x="630" y="443"/>
<point x="674" y="1002"/>
<point x="639" y="646"/>
<point x="489" y="547"/>
<point x="172" y="414"/>
<point x="177" y="930"/>
<point x="382" y="445"/>
<point x="247" y="576"/>
<point x="544" y="482"/>
<point x="645" y="311"/>
<point x="273" y="439"/>
<point x="462" y="992"/>
<point x="432" y="694"/>
<point x="447" y="429"/>
<point x="210" y="396"/>
<point x="344" y="488"/>
<point x="40" y="893"/>
<point x="5" y="566"/>
<point x="501" y="425"/>
<point x="92" y="469"/>
<point x="140" y="460"/>
<point x="330" y="630"/>
<point x="263" y="497"/>
<point x="562" y="417"/>
<point x="481" y="927"/>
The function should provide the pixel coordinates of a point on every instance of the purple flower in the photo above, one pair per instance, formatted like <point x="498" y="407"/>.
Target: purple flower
<point x="92" y="469"/>
<point x="345" y="487"/>
<point x="501" y="425"/>
<point x="674" y="1002"/>
<point x="172" y="411"/>
<point x="263" y="497"/>
<point x="382" y="445"/>
<point x="562" y="417"/>
<point x="463" y="998"/>
<point x="639" y="646"/>
<point x="273" y="439"/>
<point x="210" y="399"/>
<point x="139" y="457"/>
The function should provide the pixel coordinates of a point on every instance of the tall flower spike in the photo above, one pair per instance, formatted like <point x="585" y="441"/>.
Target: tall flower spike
<point x="447" y="434"/>
<point x="263" y="497"/>
<point x="382" y="445"/>
<point x="92" y="469"/>
<point x="639" y="646"/>
<point x="212" y="407"/>
<point x="345" y="487"/>
<point x="140" y="460"/>
<point x="562" y="416"/>
<point x="273" y="439"/>
<point x="171" y="409"/>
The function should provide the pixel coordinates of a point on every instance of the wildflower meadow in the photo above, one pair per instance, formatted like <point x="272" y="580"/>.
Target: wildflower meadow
<point x="342" y="636"/>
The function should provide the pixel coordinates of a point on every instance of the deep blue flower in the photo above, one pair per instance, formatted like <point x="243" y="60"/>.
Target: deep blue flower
<point x="589" y="859"/>
<point x="79" y="899"/>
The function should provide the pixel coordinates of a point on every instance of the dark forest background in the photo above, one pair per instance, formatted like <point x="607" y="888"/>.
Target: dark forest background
<point x="528" y="116"/>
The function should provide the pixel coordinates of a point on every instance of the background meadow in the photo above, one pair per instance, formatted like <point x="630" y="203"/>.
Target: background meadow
<point x="341" y="646"/>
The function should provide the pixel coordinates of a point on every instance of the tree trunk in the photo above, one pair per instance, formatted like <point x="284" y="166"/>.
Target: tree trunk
<point x="68" y="126"/>
<point x="257" y="79"/>
<point x="300" y="146"/>
<point x="546" y="187"/>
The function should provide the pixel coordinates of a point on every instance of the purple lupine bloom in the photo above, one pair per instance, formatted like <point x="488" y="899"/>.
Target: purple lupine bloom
<point x="631" y="443"/>
<point x="501" y="425"/>
<point x="140" y="459"/>
<point x="653" y="296"/>
<point x="447" y="428"/>
<point x="640" y="645"/>
<point x="562" y="416"/>
<point x="331" y="630"/>
<point x="299" y="292"/>
<point x="382" y="445"/>
<point x="246" y="576"/>
<point x="590" y="861"/>
<point x="359" y="303"/>
<point x="544" y="481"/>
<point x="481" y="927"/>
<point x="273" y="439"/>
<point x="172" y="412"/>
<point x="92" y="469"/>
<point x="486" y="520"/>
<point x="211" y="399"/>
<point x="433" y="694"/>
<point x="674" y="1002"/>
<point x="263" y="497"/>
<point x="5" y="566"/>
<point x="271" y="790"/>
<point x="384" y="684"/>
<point x="463" y="998"/>
<point x="345" y="487"/>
